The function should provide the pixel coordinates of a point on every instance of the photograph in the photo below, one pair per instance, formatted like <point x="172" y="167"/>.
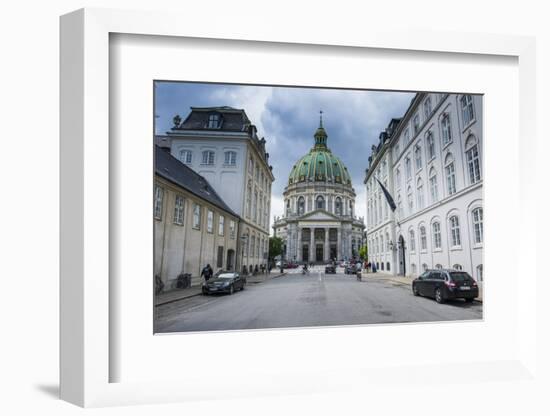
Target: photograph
<point x="299" y="207"/>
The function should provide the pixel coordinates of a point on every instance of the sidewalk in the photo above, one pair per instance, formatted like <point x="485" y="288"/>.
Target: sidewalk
<point x="177" y="294"/>
<point x="403" y="280"/>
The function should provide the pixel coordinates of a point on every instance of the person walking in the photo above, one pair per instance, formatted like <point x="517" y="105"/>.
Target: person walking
<point x="207" y="273"/>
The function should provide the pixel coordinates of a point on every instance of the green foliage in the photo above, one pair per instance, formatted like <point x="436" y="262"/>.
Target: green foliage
<point x="275" y="247"/>
<point x="363" y="252"/>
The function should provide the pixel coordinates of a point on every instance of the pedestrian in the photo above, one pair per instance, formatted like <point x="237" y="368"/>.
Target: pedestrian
<point x="207" y="273"/>
<point x="270" y="267"/>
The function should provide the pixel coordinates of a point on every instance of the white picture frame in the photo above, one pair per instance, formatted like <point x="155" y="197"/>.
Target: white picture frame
<point x="86" y="301"/>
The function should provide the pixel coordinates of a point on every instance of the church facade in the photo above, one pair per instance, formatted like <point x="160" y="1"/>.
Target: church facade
<point x="319" y="222"/>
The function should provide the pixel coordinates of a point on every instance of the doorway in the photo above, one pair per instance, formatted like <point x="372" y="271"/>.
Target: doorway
<point x="319" y="252"/>
<point x="305" y="253"/>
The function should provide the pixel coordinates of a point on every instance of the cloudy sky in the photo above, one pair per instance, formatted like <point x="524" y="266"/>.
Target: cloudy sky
<point x="288" y="118"/>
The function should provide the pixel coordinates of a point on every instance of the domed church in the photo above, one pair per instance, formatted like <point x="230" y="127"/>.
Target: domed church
<point x="319" y="222"/>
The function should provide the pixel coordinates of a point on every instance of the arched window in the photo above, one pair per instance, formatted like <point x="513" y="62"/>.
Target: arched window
<point x="413" y="268"/>
<point x="418" y="156"/>
<point x="472" y="160"/>
<point x="249" y="200"/>
<point x="424" y="267"/>
<point x="433" y="186"/>
<point x="387" y="243"/>
<point x="420" y="194"/>
<point x="457" y="267"/>
<point x="301" y="205"/>
<point x="408" y="169"/>
<point x="430" y="145"/>
<point x="397" y="178"/>
<point x="416" y="123"/>
<point x="410" y="200"/>
<point x="438" y="266"/>
<point x="399" y="206"/>
<point x="382" y="247"/>
<point x="338" y="206"/>
<point x="450" y="174"/>
<point x="446" y="135"/>
<point x="436" y="231"/>
<point x="477" y="220"/>
<point x="412" y="241"/>
<point x="423" y="239"/>
<point x="230" y="158"/>
<point x="455" y="231"/>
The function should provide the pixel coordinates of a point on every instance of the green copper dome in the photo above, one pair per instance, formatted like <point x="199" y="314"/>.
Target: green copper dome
<point x="319" y="164"/>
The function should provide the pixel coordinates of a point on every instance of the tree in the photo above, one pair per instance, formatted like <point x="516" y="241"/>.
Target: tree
<point x="275" y="247"/>
<point x="363" y="253"/>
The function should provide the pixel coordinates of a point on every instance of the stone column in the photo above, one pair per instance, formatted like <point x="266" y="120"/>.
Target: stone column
<point x="312" y="245"/>
<point x="338" y="244"/>
<point x="299" y="256"/>
<point x="327" y="245"/>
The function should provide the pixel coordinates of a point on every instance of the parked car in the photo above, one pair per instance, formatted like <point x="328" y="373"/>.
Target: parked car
<point x="278" y="264"/>
<point x="227" y="282"/>
<point x="330" y="269"/>
<point x="445" y="284"/>
<point x="292" y="266"/>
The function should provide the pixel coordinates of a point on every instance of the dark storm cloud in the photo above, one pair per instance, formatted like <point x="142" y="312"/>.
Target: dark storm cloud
<point x="288" y="118"/>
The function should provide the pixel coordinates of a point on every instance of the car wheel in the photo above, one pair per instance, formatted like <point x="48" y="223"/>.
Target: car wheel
<point x="439" y="296"/>
<point x="231" y="289"/>
<point x="415" y="291"/>
<point x="469" y="300"/>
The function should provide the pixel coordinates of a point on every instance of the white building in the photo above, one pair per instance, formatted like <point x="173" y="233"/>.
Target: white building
<point x="430" y="161"/>
<point x="319" y="223"/>
<point x="222" y="145"/>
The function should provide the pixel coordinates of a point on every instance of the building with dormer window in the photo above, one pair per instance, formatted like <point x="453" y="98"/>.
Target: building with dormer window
<point x="222" y="145"/>
<point x="319" y="223"/>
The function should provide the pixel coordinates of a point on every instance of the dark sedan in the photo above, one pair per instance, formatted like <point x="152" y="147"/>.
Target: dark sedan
<point x="443" y="285"/>
<point x="227" y="282"/>
<point x="330" y="269"/>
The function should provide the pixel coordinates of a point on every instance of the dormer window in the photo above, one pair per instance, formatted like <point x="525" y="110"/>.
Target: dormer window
<point x="214" y="121"/>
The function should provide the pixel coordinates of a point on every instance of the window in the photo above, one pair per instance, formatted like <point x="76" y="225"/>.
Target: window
<point x="410" y="200"/>
<point x="221" y="225"/>
<point x="427" y="108"/>
<point x="338" y="206"/>
<point x="196" y="216"/>
<point x="288" y="207"/>
<point x="208" y="157"/>
<point x="257" y="173"/>
<point x="446" y="129"/>
<point x="407" y="136"/>
<point x="412" y="242"/>
<point x="477" y="217"/>
<point x="457" y="267"/>
<point x="436" y="230"/>
<point x="232" y="229"/>
<point x="186" y="156"/>
<point x="430" y="145"/>
<point x="467" y="105"/>
<point x="416" y="123"/>
<point x="178" y="210"/>
<point x="250" y="166"/>
<point x="408" y="170"/>
<point x="397" y="149"/>
<point x="159" y="196"/>
<point x="210" y="221"/>
<point x="255" y="208"/>
<point x="399" y="207"/>
<point x="450" y="174"/>
<point x="230" y="158"/>
<point x="420" y="194"/>
<point x="418" y="157"/>
<point x="213" y="121"/>
<point x="398" y="178"/>
<point x="320" y="202"/>
<point x="219" y="261"/>
<point x="479" y="273"/>
<point x="423" y="239"/>
<point x="433" y="186"/>
<point x="413" y="268"/>
<point x="455" y="231"/>
<point x="439" y="267"/>
<point x="472" y="158"/>
<point x="424" y="267"/>
<point x="249" y="200"/>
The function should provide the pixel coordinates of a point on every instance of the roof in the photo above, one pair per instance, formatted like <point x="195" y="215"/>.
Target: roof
<point x="171" y="169"/>
<point x="231" y="119"/>
<point x="319" y="164"/>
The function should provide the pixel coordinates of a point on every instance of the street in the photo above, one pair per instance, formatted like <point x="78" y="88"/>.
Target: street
<point x="316" y="299"/>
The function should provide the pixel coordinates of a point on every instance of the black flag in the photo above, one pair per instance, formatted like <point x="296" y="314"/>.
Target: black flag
<point x="387" y="195"/>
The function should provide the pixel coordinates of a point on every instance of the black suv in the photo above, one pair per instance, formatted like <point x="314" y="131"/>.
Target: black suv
<point x="446" y="284"/>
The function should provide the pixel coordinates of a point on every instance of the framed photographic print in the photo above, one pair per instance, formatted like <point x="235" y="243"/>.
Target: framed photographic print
<point x="269" y="208"/>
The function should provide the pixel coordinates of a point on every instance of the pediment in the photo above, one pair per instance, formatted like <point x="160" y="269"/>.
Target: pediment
<point x="319" y="215"/>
